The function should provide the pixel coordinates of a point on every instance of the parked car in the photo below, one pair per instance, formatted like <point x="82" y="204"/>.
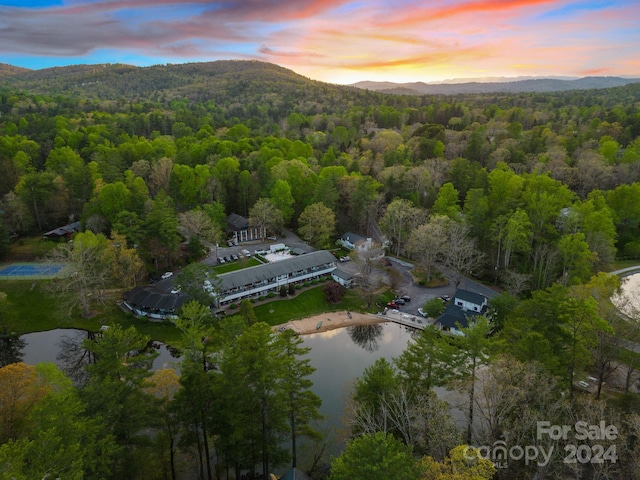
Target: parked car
<point x="393" y="305"/>
<point x="221" y="260"/>
<point x="406" y="298"/>
<point x="399" y="301"/>
<point x="234" y="256"/>
<point x="344" y="259"/>
<point x="421" y="312"/>
<point x="445" y="298"/>
<point x="166" y="275"/>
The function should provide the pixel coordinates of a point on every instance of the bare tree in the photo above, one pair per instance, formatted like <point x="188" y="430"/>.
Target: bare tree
<point x="196" y="223"/>
<point x="86" y="274"/>
<point x="160" y="175"/>
<point x="514" y="282"/>
<point x="461" y="256"/>
<point x="398" y="221"/>
<point x="265" y="216"/>
<point x="428" y="242"/>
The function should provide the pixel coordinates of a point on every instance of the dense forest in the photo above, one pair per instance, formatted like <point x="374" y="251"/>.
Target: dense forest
<point x="534" y="193"/>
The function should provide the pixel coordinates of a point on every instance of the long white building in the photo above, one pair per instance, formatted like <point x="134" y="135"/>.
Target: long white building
<point x="262" y="279"/>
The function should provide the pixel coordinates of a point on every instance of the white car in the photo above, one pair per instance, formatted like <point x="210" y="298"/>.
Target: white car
<point x="166" y="275"/>
<point x="421" y="312"/>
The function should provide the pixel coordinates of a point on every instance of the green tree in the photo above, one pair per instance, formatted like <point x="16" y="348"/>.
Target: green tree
<point x="161" y="238"/>
<point x="265" y="217"/>
<point x="317" y="224"/>
<point x="463" y="463"/>
<point x="301" y="403"/>
<point x="447" y="202"/>
<point x="61" y="440"/>
<point x="475" y="346"/>
<point x="114" y="392"/>
<point x="398" y="221"/>
<point x="252" y="403"/>
<point x="429" y="360"/>
<point x="200" y="282"/>
<point x="376" y="456"/>
<point x="282" y="199"/>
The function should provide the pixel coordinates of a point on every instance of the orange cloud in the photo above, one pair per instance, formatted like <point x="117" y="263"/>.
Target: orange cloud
<point x="439" y="12"/>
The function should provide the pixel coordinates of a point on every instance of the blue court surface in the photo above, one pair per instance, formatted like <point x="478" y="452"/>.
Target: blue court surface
<point x="29" y="270"/>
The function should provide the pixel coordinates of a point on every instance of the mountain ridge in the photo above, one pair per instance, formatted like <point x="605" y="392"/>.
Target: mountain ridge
<point x="527" y="85"/>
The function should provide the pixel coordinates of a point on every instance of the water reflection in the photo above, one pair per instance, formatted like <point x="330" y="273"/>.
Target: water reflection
<point x="73" y="358"/>
<point x="366" y="336"/>
<point x="11" y="347"/>
<point x="64" y="348"/>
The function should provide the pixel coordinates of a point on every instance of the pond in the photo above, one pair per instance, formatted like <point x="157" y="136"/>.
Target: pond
<point x="339" y="357"/>
<point x="62" y="347"/>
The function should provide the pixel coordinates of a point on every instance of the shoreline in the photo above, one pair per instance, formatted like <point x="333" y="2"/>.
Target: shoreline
<point x="329" y="321"/>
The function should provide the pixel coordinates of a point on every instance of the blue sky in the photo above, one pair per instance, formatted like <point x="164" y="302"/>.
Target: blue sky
<point x="338" y="41"/>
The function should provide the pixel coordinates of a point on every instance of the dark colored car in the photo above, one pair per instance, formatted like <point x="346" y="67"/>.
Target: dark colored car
<point x="406" y="298"/>
<point x="399" y="301"/>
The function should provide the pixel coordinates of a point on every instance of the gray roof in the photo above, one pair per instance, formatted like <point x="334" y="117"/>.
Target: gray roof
<point x="65" y="230"/>
<point x="151" y="298"/>
<point x="454" y="317"/>
<point x="470" y="297"/>
<point x="237" y="222"/>
<point x="295" y="474"/>
<point x="252" y="275"/>
<point x="341" y="274"/>
<point x="353" y="237"/>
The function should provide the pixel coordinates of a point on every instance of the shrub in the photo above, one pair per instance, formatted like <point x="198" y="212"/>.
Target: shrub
<point x="261" y="297"/>
<point x="314" y="281"/>
<point x="292" y="289"/>
<point x="334" y="292"/>
<point x="307" y="284"/>
<point x="283" y="290"/>
<point x="232" y="306"/>
<point x="298" y="286"/>
<point x="271" y="295"/>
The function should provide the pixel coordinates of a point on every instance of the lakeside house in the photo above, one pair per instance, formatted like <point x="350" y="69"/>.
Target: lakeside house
<point x="461" y="310"/>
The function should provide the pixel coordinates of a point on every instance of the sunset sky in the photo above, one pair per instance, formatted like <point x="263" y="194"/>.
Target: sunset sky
<point x="337" y="41"/>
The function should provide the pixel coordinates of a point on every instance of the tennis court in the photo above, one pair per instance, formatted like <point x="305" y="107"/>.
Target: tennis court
<point x="31" y="270"/>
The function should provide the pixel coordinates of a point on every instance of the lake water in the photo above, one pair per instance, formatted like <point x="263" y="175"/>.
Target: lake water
<point x="60" y="346"/>
<point x="339" y="357"/>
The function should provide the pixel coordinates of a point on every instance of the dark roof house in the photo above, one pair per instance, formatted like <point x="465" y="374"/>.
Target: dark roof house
<point x="63" y="232"/>
<point x="464" y="306"/>
<point x="151" y="302"/>
<point x="237" y="222"/>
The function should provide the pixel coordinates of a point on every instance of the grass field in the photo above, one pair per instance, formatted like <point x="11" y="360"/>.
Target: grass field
<point x="30" y="307"/>
<point x="305" y="304"/>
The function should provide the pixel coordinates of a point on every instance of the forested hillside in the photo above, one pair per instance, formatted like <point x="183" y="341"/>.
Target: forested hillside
<point x="535" y="194"/>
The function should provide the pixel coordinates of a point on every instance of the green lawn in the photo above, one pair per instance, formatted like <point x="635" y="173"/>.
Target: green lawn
<point x="305" y="304"/>
<point x="238" y="265"/>
<point x="30" y="307"/>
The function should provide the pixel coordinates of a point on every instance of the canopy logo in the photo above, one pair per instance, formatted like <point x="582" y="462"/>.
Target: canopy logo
<point x="551" y="437"/>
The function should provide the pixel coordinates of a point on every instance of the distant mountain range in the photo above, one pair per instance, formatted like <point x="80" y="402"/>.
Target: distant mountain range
<point x="520" y="85"/>
<point x="242" y="82"/>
